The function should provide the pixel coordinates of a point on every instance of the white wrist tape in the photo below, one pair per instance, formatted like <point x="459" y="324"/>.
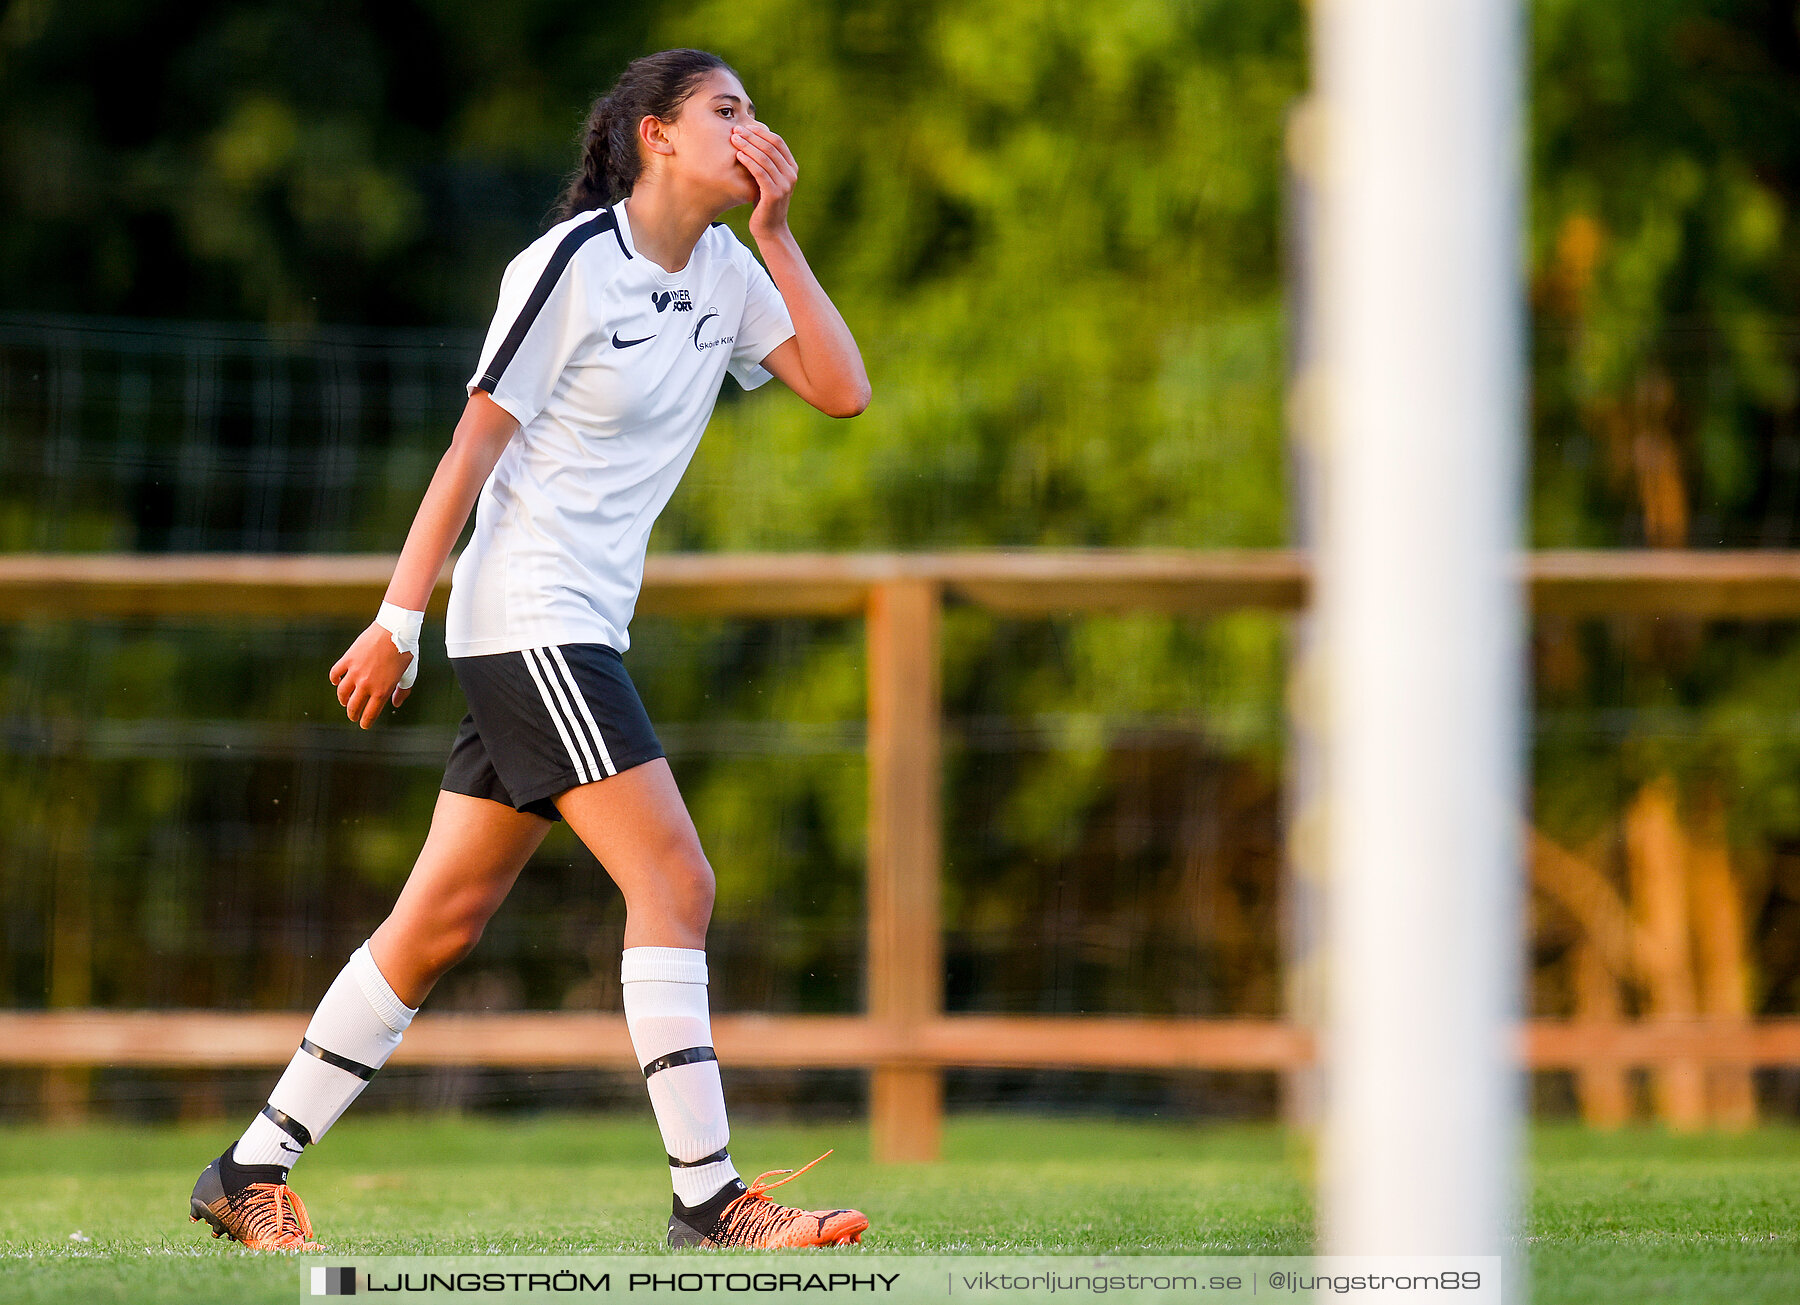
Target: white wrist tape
<point x="403" y="627"/>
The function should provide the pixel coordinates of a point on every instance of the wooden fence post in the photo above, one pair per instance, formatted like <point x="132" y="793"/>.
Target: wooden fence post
<point x="1721" y="956"/>
<point x="68" y="825"/>
<point x="906" y="1099"/>
<point x="1656" y="848"/>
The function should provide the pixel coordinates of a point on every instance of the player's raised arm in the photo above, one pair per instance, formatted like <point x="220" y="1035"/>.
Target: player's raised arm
<point x="374" y="671"/>
<point x="821" y="363"/>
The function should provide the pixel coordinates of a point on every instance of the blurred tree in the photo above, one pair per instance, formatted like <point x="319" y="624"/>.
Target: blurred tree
<point x="1055" y="229"/>
<point x="291" y="160"/>
<point x="1056" y="233"/>
<point x="1666" y="153"/>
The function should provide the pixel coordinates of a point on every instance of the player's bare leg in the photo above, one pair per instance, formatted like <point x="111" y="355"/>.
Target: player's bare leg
<point x="473" y="853"/>
<point x="637" y="825"/>
<point x="472" y="857"/>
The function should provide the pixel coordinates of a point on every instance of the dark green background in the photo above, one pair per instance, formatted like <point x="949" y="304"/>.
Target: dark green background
<point x="1058" y="232"/>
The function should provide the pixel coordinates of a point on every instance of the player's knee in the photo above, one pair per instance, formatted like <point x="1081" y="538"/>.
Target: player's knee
<point x="705" y="890"/>
<point x="691" y="883"/>
<point x="460" y="939"/>
<point x="457" y="931"/>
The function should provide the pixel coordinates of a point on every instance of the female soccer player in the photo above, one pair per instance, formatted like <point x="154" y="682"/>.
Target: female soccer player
<point x="613" y="334"/>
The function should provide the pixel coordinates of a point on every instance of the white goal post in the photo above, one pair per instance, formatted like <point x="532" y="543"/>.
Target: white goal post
<point x="1417" y="412"/>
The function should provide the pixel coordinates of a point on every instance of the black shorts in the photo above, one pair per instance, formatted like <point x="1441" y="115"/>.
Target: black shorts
<point x="544" y="721"/>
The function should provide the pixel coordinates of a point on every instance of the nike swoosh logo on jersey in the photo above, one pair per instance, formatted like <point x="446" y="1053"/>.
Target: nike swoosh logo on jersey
<point x="626" y="344"/>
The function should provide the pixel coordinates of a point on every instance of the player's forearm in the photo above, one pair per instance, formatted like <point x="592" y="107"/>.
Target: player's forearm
<point x="480" y="439"/>
<point x="827" y="351"/>
<point x="439" y="520"/>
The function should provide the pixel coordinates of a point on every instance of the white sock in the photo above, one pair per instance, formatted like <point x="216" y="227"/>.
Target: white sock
<point x="354" y="1031"/>
<point x="665" y="1011"/>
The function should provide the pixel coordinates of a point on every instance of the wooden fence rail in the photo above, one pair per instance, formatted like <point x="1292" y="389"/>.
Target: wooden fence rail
<point x="905" y="1039"/>
<point x="1762" y="584"/>
<point x="559" y="1040"/>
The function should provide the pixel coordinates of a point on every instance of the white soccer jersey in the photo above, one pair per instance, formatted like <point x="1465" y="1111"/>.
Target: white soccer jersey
<point x="611" y="366"/>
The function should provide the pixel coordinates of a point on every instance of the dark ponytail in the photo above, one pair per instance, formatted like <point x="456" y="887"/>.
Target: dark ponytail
<point x="655" y="86"/>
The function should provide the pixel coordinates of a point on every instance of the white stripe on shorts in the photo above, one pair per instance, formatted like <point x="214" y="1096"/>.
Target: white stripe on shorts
<point x="581" y="702"/>
<point x="581" y="770"/>
<point x="563" y="697"/>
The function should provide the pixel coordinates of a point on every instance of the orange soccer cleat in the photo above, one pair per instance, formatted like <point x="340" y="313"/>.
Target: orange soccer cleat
<point x="748" y="1216"/>
<point x="252" y="1204"/>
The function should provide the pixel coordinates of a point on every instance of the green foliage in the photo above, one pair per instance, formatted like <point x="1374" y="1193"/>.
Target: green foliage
<point x="291" y="160"/>
<point x="1663" y="254"/>
<point x="1665" y="147"/>
<point x="1055" y="229"/>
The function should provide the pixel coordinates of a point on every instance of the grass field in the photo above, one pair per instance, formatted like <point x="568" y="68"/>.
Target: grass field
<point x="1636" y="1216"/>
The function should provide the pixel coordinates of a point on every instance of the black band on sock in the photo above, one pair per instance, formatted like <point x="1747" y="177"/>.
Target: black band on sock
<point x="356" y="1067"/>
<point x="687" y="1056"/>
<point x="288" y="1124"/>
<point x="720" y="1154"/>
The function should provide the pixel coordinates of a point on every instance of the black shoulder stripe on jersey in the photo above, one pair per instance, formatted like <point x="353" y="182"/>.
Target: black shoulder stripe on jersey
<point x="618" y="235"/>
<point x="540" y="294"/>
<point x="356" y="1067"/>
